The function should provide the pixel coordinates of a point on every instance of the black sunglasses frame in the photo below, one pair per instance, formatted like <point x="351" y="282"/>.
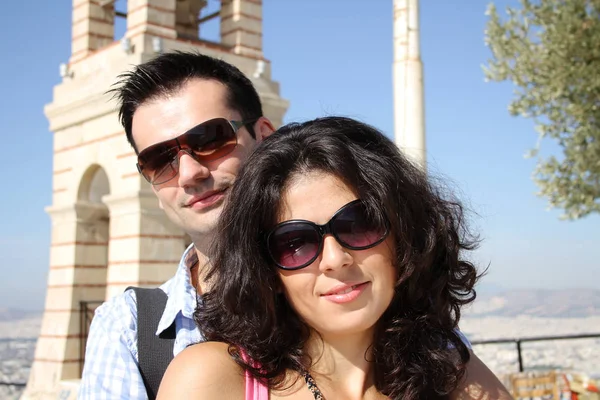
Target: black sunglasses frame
<point x="322" y="230"/>
<point x="235" y="125"/>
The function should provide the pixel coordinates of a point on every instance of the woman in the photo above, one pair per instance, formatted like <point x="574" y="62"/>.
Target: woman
<point x="337" y="273"/>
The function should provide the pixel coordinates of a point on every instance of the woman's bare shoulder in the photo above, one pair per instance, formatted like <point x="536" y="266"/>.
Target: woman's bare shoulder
<point x="480" y="383"/>
<point x="204" y="370"/>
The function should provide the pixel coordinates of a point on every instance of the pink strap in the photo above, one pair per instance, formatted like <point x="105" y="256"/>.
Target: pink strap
<point x="255" y="389"/>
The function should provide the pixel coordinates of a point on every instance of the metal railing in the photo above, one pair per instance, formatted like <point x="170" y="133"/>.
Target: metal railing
<point x="15" y="384"/>
<point x="519" y="341"/>
<point x="87" y="309"/>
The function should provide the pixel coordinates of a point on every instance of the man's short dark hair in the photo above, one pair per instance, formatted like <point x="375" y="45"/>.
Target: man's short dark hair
<point x="168" y="72"/>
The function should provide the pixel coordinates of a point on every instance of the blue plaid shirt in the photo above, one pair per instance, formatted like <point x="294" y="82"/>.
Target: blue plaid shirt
<point x="111" y="356"/>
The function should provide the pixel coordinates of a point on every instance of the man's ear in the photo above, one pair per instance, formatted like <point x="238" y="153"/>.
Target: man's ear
<point x="263" y="128"/>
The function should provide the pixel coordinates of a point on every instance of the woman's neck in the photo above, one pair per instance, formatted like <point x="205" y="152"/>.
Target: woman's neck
<point x="343" y="364"/>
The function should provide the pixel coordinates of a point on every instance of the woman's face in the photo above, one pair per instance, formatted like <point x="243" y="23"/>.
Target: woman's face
<point x="343" y="291"/>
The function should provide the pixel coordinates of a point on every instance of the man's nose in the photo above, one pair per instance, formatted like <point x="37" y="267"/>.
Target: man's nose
<point x="190" y="170"/>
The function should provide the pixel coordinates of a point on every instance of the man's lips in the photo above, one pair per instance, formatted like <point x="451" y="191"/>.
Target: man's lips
<point x="203" y="197"/>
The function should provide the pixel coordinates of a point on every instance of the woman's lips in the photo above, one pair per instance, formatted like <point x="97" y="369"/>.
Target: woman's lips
<point x="345" y="293"/>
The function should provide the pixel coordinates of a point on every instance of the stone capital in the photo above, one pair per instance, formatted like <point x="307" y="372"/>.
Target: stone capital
<point x="77" y="212"/>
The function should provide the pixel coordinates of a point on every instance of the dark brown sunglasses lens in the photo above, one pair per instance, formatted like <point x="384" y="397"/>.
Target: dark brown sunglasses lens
<point x="158" y="165"/>
<point x="354" y="228"/>
<point x="293" y="245"/>
<point x="218" y="140"/>
<point x="165" y="174"/>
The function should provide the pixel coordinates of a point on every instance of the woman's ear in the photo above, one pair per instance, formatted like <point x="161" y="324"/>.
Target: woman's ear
<point x="278" y="289"/>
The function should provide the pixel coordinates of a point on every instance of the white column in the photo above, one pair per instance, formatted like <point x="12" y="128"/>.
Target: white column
<point x="409" y="110"/>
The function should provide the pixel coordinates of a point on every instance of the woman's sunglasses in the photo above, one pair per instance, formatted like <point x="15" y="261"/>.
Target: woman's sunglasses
<point x="296" y="244"/>
<point x="207" y="141"/>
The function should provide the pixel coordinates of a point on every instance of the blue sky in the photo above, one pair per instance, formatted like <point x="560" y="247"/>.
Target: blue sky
<point x="330" y="57"/>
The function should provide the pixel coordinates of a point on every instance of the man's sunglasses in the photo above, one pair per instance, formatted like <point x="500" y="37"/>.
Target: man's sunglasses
<point x="296" y="244"/>
<point x="207" y="141"/>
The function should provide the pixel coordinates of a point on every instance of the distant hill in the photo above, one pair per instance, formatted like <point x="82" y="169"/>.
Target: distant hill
<point x="568" y="303"/>
<point x="12" y="314"/>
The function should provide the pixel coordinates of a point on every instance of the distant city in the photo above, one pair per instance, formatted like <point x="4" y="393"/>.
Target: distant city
<point x="18" y="335"/>
<point x="511" y="314"/>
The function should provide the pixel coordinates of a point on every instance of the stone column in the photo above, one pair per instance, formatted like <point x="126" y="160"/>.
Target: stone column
<point x="78" y="264"/>
<point x="93" y="27"/>
<point x="241" y="26"/>
<point x="153" y="17"/>
<point x="409" y="108"/>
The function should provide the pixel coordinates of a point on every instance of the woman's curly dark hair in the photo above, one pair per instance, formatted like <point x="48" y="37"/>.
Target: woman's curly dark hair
<point x="416" y="352"/>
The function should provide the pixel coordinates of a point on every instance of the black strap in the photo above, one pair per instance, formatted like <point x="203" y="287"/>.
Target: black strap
<point x="154" y="352"/>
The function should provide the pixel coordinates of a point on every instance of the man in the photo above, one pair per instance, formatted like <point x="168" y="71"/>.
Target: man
<point x="221" y="113"/>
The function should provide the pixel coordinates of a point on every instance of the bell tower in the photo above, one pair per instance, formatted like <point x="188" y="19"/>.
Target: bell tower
<point x="108" y="232"/>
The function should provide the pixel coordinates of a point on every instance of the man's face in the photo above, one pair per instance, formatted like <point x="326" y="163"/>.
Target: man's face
<point x="193" y="199"/>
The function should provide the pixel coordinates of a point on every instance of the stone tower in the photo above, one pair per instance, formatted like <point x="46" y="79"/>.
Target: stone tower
<point x="107" y="229"/>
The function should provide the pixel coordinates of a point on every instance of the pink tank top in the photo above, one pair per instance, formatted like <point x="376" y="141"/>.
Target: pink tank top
<point x="255" y="389"/>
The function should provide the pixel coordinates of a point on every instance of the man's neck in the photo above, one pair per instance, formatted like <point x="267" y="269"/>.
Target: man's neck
<point x="199" y="266"/>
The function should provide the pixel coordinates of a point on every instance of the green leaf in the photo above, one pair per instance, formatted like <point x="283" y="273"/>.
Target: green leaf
<point x="550" y="51"/>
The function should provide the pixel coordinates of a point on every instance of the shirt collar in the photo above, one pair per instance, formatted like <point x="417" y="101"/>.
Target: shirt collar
<point x="182" y="296"/>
